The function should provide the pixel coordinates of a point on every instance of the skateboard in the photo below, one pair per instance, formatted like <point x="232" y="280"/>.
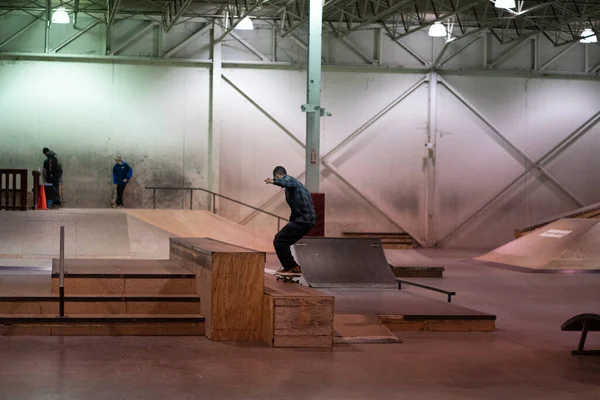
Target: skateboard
<point x="293" y="278"/>
<point x="113" y="200"/>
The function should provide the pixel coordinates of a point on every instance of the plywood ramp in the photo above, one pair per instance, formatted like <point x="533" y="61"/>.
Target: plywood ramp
<point x="88" y="234"/>
<point x="592" y="212"/>
<point x="566" y="244"/>
<point x="192" y="223"/>
<point x="115" y="233"/>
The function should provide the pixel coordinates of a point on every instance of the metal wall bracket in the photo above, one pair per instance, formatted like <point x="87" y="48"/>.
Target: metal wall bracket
<point x="315" y="108"/>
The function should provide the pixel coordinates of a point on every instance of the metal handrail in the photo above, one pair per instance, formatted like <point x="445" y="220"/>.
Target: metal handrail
<point x="214" y="196"/>
<point x="428" y="287"/>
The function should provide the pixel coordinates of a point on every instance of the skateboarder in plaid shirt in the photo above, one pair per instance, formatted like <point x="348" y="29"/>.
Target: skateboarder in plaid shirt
<point x="302" y="219"/>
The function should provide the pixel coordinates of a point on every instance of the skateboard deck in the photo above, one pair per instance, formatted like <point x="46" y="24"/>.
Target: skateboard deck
<point x="287" y="277"/>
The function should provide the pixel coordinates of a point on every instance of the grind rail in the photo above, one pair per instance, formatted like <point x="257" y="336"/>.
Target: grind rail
<point x="214" y="197"/>
<point x="428" y="287"/>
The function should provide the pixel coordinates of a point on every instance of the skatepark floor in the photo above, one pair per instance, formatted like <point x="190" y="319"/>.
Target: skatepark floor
<point x="528" y="357"/>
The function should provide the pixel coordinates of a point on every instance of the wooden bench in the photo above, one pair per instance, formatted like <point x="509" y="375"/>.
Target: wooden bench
<point x="296" y="315"/>
<point x="583" y="323"/>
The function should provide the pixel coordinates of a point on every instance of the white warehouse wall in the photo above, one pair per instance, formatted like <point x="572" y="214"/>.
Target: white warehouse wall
<point x="473" y="163"/>
<point x="156" y="114"/>
<point x="154" y="117"/>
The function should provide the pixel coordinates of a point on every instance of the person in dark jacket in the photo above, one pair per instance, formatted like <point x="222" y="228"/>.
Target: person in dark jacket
<point x="122" y="173"/>
<point x="53" y="173"/>
<point x="302" y="219"/>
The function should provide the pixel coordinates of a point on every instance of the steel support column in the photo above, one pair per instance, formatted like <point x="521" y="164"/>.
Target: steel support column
<point x="111" y="11"/>
<point x="214" y="123"/>
<point x="377" y="46"/>
<point x="47" y="30"/>
<point x="430" y="160"/>
<point x="313" y="96"/>
<point x="75" y="13"/>
<point x="303" y="45"/>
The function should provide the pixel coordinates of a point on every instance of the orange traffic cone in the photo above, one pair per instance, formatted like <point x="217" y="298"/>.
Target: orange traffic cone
<point x="41" y="205"/>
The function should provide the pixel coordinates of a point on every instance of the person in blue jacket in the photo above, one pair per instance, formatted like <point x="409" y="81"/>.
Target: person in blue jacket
<point x="122" y="173"/>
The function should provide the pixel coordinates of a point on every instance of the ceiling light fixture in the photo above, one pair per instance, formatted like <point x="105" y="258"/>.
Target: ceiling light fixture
<point x="437" y="30"/>
<point x="506" y="4"/>
<point x="588" y="36"/>
<point x="60" y="16"/>
<point x="245" y="25"/>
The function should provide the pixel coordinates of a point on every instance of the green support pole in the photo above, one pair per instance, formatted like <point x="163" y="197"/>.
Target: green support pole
<point x="313" y="96"/>
<point x="214" y="124"/>
<point x="47" y="27"/>
<point x="314" y="112"/>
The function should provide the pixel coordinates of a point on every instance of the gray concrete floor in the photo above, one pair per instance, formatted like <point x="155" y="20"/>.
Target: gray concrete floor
<point x="527" y="358"/>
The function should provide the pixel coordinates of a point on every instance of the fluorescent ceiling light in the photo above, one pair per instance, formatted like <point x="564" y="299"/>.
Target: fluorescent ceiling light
<point x="245" y="24"/>
<point x="437" y="30"/>
<point x="60" y="16"/>
<point x="588" y="36"/>
<point x="505" y="4"/>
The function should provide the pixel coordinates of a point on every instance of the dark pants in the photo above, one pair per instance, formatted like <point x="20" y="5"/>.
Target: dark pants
<point x="120" y="190"/>
<point x="286" y="237"/>
<point x="55" y="181"/>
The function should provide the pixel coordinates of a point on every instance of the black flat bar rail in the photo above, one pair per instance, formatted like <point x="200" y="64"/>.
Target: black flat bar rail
<point x="428" y="287"/>
<point x="61" y="280"/>
<point x="214" y="196"/>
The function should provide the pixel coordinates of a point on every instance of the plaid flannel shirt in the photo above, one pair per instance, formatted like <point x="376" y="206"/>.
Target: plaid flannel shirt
<point x="299" y="200"/>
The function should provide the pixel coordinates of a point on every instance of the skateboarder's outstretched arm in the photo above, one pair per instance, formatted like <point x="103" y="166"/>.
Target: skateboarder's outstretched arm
<point x="287" y="182"/>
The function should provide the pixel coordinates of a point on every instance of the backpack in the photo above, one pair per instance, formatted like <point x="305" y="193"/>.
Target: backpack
<point x="54" y="165"/>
